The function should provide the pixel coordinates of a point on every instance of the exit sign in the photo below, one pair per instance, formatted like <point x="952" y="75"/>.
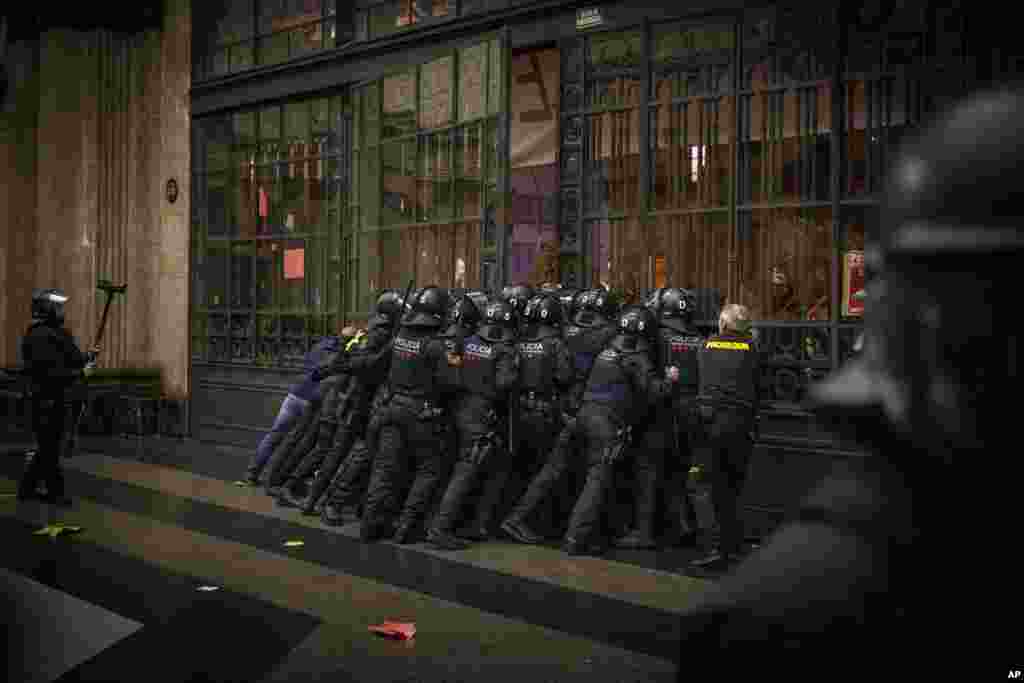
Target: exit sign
<point x="588" y="18"/>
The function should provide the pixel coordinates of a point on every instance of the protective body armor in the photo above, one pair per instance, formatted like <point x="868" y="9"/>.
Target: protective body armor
<point x="480" y="367"/>
<point x="414" y="358"/>
<point x="538" y="358"/>
<point x="679" y="347"/>
<point x="728" y="368"/>
<point x="611" y="384"/>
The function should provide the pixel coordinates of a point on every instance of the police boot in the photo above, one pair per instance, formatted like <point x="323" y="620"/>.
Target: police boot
<point x="332" y="514"/>
<point x="442" y="540"/>
<point x="291" y="497"/>
<point x="375" y="530"/>
<point x="575" y="547"/>
<point x="636" y="540"/>
<point x="406" y="533"/>
<point x="682" y="529"/>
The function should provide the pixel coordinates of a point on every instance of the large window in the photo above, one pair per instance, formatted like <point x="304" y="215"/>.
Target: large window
<point x="267" y="229"/>
<point x="234" y="35"/>
<point x="425" y="203"/>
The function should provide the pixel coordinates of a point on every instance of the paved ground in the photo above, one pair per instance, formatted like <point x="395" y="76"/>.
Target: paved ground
<point x="163" y="520"/>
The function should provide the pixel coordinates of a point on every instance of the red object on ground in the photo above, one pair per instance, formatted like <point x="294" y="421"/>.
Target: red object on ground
<point x="401" y="630"/>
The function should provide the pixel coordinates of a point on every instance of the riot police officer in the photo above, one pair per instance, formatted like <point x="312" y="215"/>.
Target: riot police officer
<point x="53" y="364"/>
<point x="405" y="431"/>
<point x="729" y="371"/>
<point x="590" y="333"/>
<point x="518" y="296"/>
<point x="345" y="412"/>
<point x="855" y="569"/>
<point x="664" y="448"/>
<point x="489" y="371"/>
<point x="545" y="374"/>
<point x="624" y="384"/>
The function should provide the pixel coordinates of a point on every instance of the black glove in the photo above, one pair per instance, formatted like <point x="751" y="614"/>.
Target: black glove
<point x="90" y="357"/>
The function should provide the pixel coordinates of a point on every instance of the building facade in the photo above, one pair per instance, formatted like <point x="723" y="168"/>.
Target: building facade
<point x="339" y="148"/>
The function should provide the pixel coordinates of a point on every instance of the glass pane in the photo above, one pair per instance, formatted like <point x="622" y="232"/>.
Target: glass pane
<point x="217" y="136"/>
<point x="316" y="261"/>
<point x="435" y="102"/>
<point x="281" y="15"/>
<point x="786" y="149"/>
<point x="265" y="283"/>
<point x="622" y="256"/>
<point x="495" y="78"/>
<point x="274" y="49"/>
<point x="233" y="20"/>
<point x="399" y="106"/>
<point x="242" y="275"/>
<point x="371" y="112"/>
<point x="533" y="255"/>
<point x="247" y="198"/>
<point x="787" y="46"/>
<point x="242" y="57"/>
<point x="692" y="60"/>
<point x="691" y="251"/>
<point x="785" y="267"/>
<point x="434" y="184"/>
<point x="320" y="121"/>
<point x="218" y="200"/>
<point x="292" y="260"/>
<point x="296" y="122"/>
<point x="609" y="52"/>
<point x="468" y="158"/>
<point x="612" y="167"/>
<point x="399" y="199"/>
<point x="219" y="62"/>
<point x="245" y="128"/>
<point x="270" y="124"/>
<point x="472" y="94"/>
<point x="888" y="39"/>
<point x="216" y="276"/>
<point x="267" y="201"/>
<point x="693" y="153"/>
<point x="880" y="113"/>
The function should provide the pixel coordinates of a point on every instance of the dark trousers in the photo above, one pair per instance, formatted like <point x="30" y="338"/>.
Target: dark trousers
<point x="299" y="441"/>
<point x="533" y="436"/>
<point x="353" y="477"/>
<point x="48" y="423"/>
<point x="333" y="455"/>
<point x="405" y="444"/>
<point x="731" y="447"/>
<point x="473" y="421"/>
<point x="563" y="459"/>
<point x="596" y="430"/>
<point x="661" y="460"/>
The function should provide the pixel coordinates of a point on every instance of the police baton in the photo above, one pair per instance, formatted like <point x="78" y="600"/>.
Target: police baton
<point x="398" y="318"/>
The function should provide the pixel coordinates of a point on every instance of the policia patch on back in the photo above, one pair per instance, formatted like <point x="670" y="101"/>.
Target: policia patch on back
<point x="731" y="346"/>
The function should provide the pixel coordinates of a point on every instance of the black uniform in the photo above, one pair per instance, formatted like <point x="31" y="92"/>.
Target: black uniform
<point x="405" y="431"/>
<point x="353" y="476"/>
<point x="53" y="364"/>
<point x="289" y="453"/>
<point x="729" y="376"/>
<point x="585" y="340"/>
<point x="663" y="451"/>
<point x="545" y="376"/>
<point x="343" y="418"/>
<point x="488" y="373"/>
<point x="624" y="385"/>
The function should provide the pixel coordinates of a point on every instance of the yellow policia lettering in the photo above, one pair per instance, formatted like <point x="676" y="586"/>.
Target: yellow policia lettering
<point x="732" y="346"/>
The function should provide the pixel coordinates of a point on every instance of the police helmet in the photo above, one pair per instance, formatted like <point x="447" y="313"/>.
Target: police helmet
<point x="637" y="321"/>
<point x="464" y="312"/>
<point x="544" y="309"/>
<point x="597" y="304"/>
<point x="518" y="296"/>
<point x="429" y="307"/>
<point x="951" y="208"/>
<point x="48" y="305"/>
<point x="500" y="321"/>
<point x="676" y="303"/>
<point x="390" y="303"/>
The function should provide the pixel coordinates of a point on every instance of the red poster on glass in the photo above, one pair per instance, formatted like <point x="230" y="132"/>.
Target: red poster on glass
<point x="853" y="283"/>
<point x="294" y="264"/>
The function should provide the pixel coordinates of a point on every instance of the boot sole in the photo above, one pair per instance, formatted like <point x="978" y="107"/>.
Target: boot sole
<point x="517" y="535"/>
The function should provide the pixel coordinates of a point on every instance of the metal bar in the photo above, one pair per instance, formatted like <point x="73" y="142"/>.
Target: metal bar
<point x="838" y="151"/>
<point x="734" y="198"/>
<point x="645" y="123"/>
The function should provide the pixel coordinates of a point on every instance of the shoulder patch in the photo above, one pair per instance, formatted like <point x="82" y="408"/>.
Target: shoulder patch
<point x="731" y="346"/>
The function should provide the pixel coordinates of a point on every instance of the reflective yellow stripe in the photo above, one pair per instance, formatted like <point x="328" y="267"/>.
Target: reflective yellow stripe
<point x="733" y="346"/>
<point x="355" y="340"/>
